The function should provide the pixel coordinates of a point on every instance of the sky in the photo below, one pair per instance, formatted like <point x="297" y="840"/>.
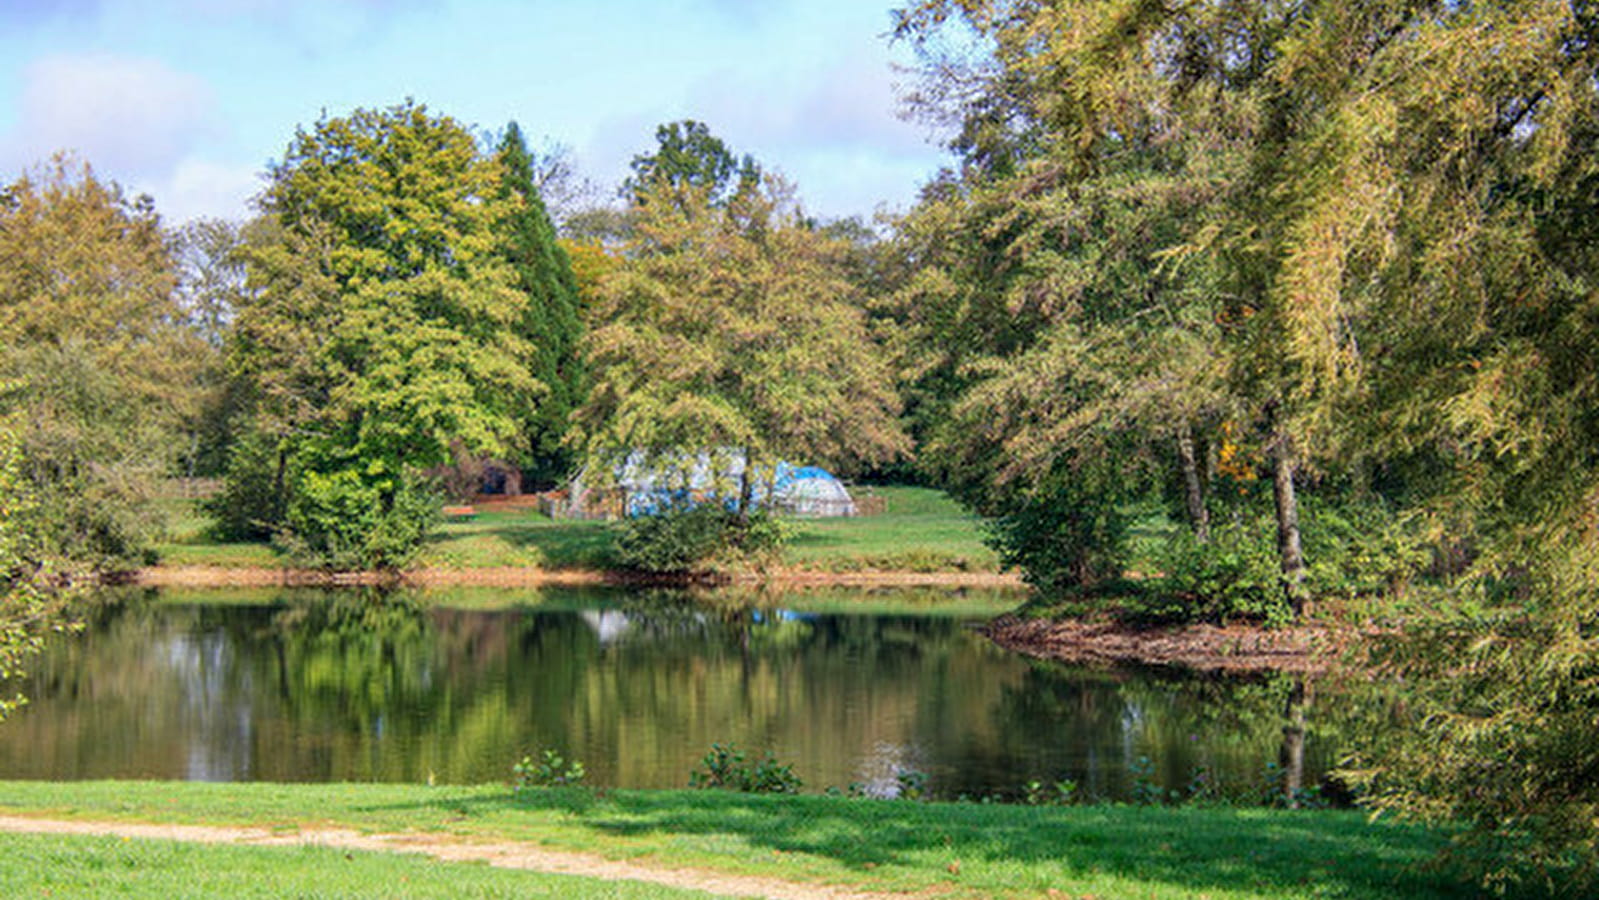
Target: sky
<point x="189" y="100"/>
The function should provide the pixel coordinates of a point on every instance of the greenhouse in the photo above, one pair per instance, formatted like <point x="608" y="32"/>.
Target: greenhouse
<point x="643" y="486"/>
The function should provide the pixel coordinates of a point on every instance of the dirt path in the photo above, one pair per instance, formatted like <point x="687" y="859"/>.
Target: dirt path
<point x="504" y="854"/>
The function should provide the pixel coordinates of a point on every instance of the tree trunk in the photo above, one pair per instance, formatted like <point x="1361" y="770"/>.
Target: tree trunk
<point x="746" y="489"/>
<point x="1293" y="748"/>
<point x="1193" y="487"/>
<point x="1288" y="545"/>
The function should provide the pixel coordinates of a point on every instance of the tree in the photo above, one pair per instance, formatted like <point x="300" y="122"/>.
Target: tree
<point x="688" y="156"/>
<point x="731" y="328"/>
<point x="382" y="325"/>
<point x="552" y="320"/>
<point x="1404" y="263"/>
<point x="22" y="603"/>
<point x="99" y="361"/>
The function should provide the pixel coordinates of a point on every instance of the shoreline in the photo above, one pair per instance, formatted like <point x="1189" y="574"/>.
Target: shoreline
<point x="263" y="576"/>
<point x="1300" y="650"/>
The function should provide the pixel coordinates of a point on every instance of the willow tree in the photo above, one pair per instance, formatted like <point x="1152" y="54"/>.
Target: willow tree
<point x="729" y="325"/>
<point x="382" y="325"/>
<point x="1403" y="260"/>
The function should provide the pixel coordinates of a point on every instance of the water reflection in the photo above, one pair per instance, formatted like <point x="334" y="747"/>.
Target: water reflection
<point x="356" y="685"/>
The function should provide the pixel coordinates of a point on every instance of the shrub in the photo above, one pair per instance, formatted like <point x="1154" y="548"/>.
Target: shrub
<point x="1235" y="575"/>
<point x="250" y="505"/>
<point x="551" y="770"/>
<point x="1070" y="533"/>
<point x="339" y="521"/>
<point x="725" y="767"/>
<point x="697" y="538"/>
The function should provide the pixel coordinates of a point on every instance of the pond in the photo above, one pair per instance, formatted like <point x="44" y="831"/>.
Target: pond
<point x="851" y="688"/>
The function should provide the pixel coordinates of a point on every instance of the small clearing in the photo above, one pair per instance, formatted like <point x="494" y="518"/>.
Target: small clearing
<point x="507" y="855"/>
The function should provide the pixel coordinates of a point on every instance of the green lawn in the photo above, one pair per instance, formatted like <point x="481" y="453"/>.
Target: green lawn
<point x="71" y="866"/>
<point x="921" y="531"/>
<point x="948" y="849"/>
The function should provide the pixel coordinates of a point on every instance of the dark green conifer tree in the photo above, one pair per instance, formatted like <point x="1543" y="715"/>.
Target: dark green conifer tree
<point x="552" y="321"/>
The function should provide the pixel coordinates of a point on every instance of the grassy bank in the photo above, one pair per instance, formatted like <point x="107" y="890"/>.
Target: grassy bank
<point x="921" y="530"/>
<point x="955" y="850"/>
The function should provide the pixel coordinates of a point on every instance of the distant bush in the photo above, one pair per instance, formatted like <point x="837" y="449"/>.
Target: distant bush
<point x="339" y="521"/>
<point x="250" y="506"/>
<point x="1234" y="575"/>
<point x="698" y="538"/>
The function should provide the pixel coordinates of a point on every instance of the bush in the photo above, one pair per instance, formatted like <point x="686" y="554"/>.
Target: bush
<point x="1235" y="575"/>
<point x="338" y="521"/>
<point x="698" y="538"/>
<point x="550" y="771"/>
<point x="251" y="504"/>
<point x="1068" y="534"/>
<point x="726" y="768"/>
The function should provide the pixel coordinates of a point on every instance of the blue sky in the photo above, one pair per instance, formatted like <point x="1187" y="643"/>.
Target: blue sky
<point x="189" y="99"/>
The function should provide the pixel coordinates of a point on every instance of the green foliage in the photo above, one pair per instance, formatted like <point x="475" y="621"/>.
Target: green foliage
<point x="552" y="318"/>
<point x="382" y="327"/>
<point x="698" y="537"/>
<point x="688" y="156"/>
<point x="343" y="522"/>
<point x="725" y="767"/>
<point x="30" y="603"/>
<point x="550" y="770"/>
<point x="1069" y="533"/>
<point x="734" y="326"/>
<point x="1233" y="576"/>
<point x="99" y="364"/>
<point x="92" y="455"/>
<point x="253" y="500"/>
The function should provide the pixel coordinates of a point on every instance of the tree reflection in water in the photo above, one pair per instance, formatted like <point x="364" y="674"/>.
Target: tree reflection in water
<point x="366" y="685"/>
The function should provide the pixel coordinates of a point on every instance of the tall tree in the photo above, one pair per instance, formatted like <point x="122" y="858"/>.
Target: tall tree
<point x="98" y="358"/>
<point x="1398" y="257"/>
<point x="733" y="327"/>
<point x="688" y="155"/>
<point x="552" y="320"/>
<point x="383" y="324"/>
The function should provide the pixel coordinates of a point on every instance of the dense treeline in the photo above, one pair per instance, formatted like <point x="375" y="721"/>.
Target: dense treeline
<point x="1320" y="276"/>
<point x="1223" y="311"/>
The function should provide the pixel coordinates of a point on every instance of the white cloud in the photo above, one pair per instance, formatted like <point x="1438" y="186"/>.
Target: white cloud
<point x="131" y="118"/>
<point x="199" y="188"/>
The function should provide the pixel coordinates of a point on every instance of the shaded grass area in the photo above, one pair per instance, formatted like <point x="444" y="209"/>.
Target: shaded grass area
<point x="923" y="530"/>
<point x="82" y="866"/>
<point x="952" y="849"/>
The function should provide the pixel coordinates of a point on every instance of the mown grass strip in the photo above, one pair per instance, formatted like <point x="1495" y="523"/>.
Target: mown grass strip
<point x="956" y="849"/>
<point x="35" y="865"/>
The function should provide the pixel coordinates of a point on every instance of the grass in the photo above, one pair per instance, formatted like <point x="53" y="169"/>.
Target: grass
<point x="67" y="866"/>
<point x="922" y="531"/>
<point x="948" y="849"/>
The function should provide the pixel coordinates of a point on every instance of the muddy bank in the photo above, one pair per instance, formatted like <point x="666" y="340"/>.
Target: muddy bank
<point x="1303" y="649"/>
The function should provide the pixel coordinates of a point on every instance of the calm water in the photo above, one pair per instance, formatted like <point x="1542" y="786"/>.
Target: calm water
<point x="355" y="686"/>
